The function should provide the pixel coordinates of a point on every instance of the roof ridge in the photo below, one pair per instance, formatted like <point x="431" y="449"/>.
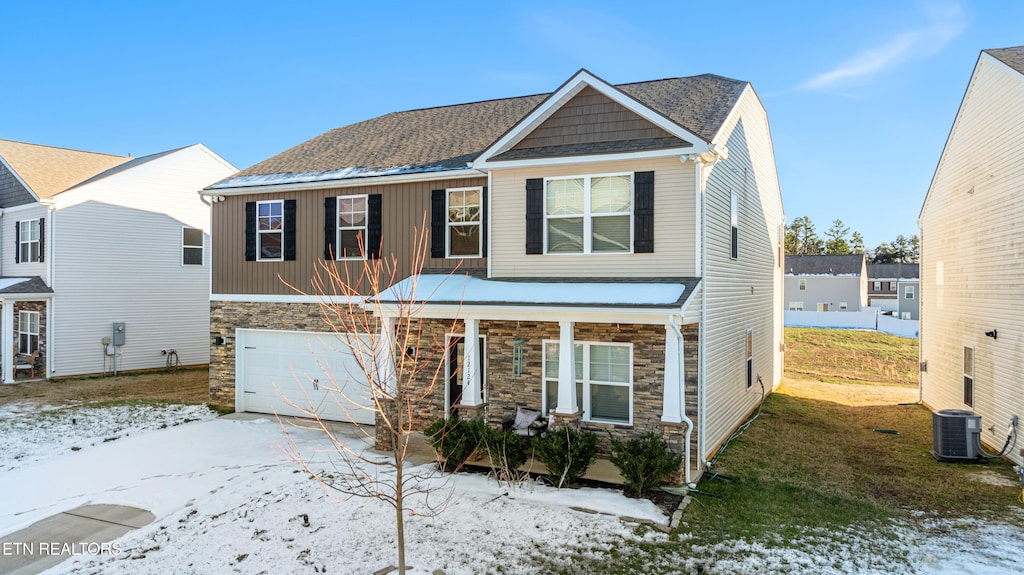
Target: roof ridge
<point x="61" y="148"/>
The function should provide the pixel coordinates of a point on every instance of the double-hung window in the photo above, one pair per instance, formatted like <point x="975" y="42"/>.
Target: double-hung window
<point x="191" y="246"/>
<point x="734" y="224"/>
<point x="464" y="222"/>
<point x="908" y="292"/>
<point x="270" y="230"/>
<point x="969" y="376"/>
<point x="877" y="286"/>
<point x="28" y="332"/>
<point x="796" y="306"/>
<point x="604" y="380"/>
<point x="803" y="284"/>
<point x="351" y="227"/>
<point x="588" y="214"/>
<point x="28" y="241"/>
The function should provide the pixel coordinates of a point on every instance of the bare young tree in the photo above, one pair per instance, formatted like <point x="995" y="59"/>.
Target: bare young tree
<point x="399" y="370"/>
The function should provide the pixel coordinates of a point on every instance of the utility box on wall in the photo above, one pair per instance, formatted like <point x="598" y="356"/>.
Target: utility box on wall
<point x="118" y="333"/>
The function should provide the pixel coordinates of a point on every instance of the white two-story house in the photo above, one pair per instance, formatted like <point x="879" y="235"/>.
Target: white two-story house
<point x="638" y="225"/>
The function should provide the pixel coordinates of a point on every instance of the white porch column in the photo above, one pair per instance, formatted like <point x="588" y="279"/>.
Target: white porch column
<point x="567" y="400"/>
<point x="471" y="382"/>
<point x="7" y="340"/>
<point x="384" y="361"/>
<point x="672" y="408"/>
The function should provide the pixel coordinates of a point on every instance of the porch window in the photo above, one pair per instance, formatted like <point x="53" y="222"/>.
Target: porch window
<point x="604" y="380"/>
<point x="969" y="376"/>
<point x="28" y="241"/>
<point x="589" y="214"/>
<point x="351" y="227"/>
<point x="464" y="223"/>
<point x="191" y="246"/>
<point x="270" y="230"/>
<point x="28" y="332"/>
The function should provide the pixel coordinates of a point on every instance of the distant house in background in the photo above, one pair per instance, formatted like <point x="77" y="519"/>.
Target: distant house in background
<point x="826" y="283"/>
<point x="895" y="288"/>
<point x="972" y="230"/>
<point x="90" y="242"/>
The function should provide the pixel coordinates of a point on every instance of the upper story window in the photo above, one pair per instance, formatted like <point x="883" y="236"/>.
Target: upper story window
<point x="29" y="244"/>
<point x="464" y="223"/>
<point x="588" y="214"/>
<point x="734" y="222"/>
<point x="191" y="246"/>
<point x="803" y="284"/>
<point x="908" y="292"/>
<point x="270" y="230"/>
<point x="877" y="286"/>
<point x="351" y="227"/>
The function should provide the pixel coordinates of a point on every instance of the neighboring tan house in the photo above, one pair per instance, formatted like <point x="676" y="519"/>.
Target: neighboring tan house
<point x="104" y="259"/>
<point x="826" y="283"/>
<point x="637" y="224"/>
<point x="972" y="230"/>
<point x="895" y="288"/>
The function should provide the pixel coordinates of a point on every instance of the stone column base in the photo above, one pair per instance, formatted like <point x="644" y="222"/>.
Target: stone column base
<point x="471" y="412"/>
<point x="564" y="420"/>
<point x="674" y="434"/>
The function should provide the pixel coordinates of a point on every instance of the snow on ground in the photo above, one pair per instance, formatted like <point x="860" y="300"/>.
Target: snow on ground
<point x="226" y="501"/>
<point x="29" y="434"/>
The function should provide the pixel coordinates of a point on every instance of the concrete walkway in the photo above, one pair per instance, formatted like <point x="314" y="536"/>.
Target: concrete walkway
<point x="86" y="530"/>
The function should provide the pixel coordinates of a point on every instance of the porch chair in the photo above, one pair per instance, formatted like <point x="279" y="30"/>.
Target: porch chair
<point x="23" y="362"/>
<point x="527" y="422"/>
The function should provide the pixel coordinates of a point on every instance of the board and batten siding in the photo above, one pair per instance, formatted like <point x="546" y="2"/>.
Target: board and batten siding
<point x="117" y="258"/>
<point x="972" y="255"/>
<point x="403" y="207"/>
<point x="9" y="247"/>
<point x="746" y="292"/>
<point x="675" y="225"/>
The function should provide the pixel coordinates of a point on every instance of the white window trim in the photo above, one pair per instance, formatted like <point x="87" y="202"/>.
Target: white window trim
<point x="22" y="241"/>
<point x="734" y="226"/>
<point x="974" y="362"/>
<point x="748" y="350"/>
<point x="843" y="306"/>
<point x="588" y="225"/>
<point x="803" y="285"/>
<point x="201" y="246"/>
<point x="259" y="232"/>
<point x="21" y="329"/>
<point x="796" y="306"/>
<point x="337" y="227"/>
<point x="585" y="380"/>
<point x="448" y="224"/>
<point x="877" y="286"/>
<point x="908" y="292"/>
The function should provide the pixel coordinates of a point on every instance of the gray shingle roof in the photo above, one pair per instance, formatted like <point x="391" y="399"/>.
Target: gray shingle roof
<point x="32" y="285"/>
<point x="824" y="265"/>
<point x="449" y="137"/>
<point x="1012" y="57"/>
<point x="894" y="271"/>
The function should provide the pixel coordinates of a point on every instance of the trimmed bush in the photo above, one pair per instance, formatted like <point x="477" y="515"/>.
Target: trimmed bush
<point x="455" y="440"/>
<point x="643" y="461"/>
<point x="507" y="451"/>
<point x="566" y="453"/>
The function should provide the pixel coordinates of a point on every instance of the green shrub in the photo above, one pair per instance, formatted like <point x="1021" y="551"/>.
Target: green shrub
<point x="507" y="451"/>
<point x="455" y="440"/>
<point x="566" y="453"/>
<point x="643" y="461"/>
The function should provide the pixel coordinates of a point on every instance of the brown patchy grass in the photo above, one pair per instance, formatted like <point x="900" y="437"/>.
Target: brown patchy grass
<point x="851" y="356"/>
<point x="183" y="385"/>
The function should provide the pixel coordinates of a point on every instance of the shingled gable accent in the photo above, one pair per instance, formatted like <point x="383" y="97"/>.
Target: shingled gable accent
<point x="527" y="133"/>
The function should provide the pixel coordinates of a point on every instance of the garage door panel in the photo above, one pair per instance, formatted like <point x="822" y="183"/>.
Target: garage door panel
<point x="303" y="368"/>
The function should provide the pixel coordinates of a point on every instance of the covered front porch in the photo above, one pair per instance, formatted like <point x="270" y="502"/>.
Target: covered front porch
<point x="25" y="305"/>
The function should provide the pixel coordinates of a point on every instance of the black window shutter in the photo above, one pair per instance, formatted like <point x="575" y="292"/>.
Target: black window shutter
<point x="42" y="239"/>
<point x="643" y="212"/>
<point x="17" y="242"/>
<point x="289" y="229"/>
<point x="373" y="226"/>
<point x="437" y="221"/>
<point x="535" y="216"/>
<point x="330" y="227"/>
<point x="250" y="231"/>
<point x="483" y="223"/>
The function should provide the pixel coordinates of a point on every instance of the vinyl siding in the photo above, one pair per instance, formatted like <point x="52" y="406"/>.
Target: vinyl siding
<point x="674" y="225"/>
<point x="118" y="259"/>
<point x="826" y="289"/>
<point x="743" y="293"/>
<point x="972" y="255"/>
<point x="8" y="247"/>
<point x="404" y="208"/>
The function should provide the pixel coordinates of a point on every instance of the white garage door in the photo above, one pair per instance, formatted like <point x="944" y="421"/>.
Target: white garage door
<point x="275" y="369"/>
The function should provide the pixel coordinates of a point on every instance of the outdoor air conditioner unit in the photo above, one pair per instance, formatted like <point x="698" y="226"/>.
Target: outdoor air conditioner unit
<point x="956" y="435"/>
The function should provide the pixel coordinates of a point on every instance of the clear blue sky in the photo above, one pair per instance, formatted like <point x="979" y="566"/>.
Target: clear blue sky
<point x="860" y="95"/>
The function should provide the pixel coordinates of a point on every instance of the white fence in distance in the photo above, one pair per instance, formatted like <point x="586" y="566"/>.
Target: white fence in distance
<point x="863" y="319"/>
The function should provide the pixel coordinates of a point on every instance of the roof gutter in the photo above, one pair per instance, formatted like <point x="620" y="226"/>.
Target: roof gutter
<point x="346" y="183"/>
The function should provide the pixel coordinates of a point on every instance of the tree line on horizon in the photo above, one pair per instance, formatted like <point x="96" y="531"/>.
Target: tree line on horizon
<point x="802" y="239"/>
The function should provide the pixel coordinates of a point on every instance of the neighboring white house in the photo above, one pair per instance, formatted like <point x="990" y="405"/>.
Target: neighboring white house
<point x="104" y="260"/>
<point x="826" y="283"/>
<point x="972" y="233"/>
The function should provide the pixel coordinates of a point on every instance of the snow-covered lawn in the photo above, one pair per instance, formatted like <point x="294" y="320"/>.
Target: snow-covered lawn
<point x="225" y="501"/>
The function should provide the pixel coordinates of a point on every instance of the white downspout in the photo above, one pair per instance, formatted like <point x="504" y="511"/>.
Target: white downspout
<point x="702" y="344"/>
<point x="682" y="398"/>
<point x="490" y="208"/>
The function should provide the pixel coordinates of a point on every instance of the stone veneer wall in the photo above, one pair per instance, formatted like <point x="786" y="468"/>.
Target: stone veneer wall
<point x="36" y="306"/>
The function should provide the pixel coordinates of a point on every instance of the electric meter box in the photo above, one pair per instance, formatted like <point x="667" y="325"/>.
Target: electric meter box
<point x="118" y="333"/>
